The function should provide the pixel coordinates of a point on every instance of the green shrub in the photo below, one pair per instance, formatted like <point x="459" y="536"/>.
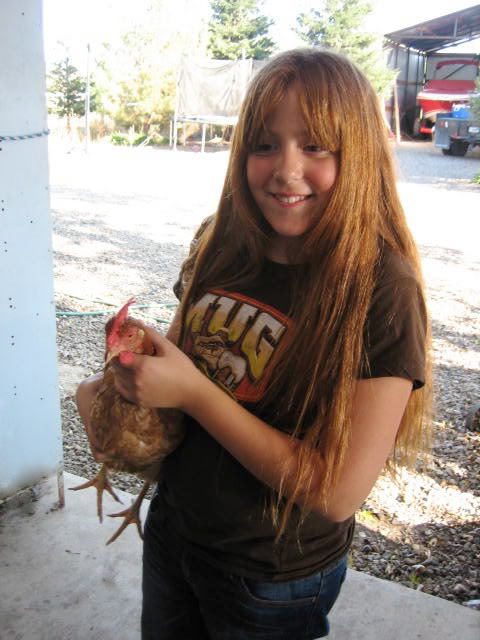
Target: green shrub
<point x="141" y="139"/>
<point x="120" y="139"/>
<point x="156" y="139"/>
<point x="152" y="139"/>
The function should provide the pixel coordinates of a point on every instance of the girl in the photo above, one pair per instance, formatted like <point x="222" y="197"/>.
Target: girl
<point x="300" y="364"/>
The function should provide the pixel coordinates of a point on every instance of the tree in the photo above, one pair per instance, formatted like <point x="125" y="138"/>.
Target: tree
<point x="237" y="30"/>
<point x="67" y="91"/>
<point x="145" y="102"/>
<point x="135" y="71"/>
<point x="475" y="102"/>
<point x="339" y="26"/>
<point x="138" y="80"/>
<point x="138" y="67"/>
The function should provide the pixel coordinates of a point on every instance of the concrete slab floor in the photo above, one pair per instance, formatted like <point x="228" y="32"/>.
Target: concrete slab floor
<point x="58" y="581"/>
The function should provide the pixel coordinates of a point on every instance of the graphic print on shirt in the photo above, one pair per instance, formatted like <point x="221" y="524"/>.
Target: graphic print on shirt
<point x="233" y="338"/>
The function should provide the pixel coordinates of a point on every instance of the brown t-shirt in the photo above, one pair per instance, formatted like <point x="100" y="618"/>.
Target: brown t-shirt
<point x="209" y="498"/>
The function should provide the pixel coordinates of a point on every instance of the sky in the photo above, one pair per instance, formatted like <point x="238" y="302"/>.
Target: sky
<point x="391" y="15"/>
<point x="77" y="23"/>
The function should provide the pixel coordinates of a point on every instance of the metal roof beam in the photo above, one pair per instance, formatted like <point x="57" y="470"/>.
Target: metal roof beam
<point x="437" y="37"/>
<point x="442" y="46"/>
<point x="457" y="27"/>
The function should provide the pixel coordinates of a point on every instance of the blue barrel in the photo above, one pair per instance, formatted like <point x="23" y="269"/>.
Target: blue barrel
<point x="461" y="111"/>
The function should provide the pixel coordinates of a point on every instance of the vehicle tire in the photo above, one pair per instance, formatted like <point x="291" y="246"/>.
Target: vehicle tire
<point x="458" y="147"/>
<point x="416" y="128"/>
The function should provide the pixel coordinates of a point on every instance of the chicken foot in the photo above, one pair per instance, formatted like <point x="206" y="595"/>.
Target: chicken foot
<point x="130" y="515"/>
<point x="101" y="484"/>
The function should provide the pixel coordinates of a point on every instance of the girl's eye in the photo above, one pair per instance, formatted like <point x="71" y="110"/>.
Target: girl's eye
<point x="264" y="148"/>
<point x="313" y="148"/>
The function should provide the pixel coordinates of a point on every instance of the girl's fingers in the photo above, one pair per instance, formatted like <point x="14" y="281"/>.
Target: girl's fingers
<point x="157" y="338"/>
<point x="123" y="376"/>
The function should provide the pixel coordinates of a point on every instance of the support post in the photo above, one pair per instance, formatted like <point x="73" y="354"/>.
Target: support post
<point x="87" y="101"/>
<point x="396" y="111"/>
<point x="30" y="416"/>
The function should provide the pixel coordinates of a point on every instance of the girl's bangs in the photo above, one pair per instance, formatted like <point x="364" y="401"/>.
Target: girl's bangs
<point x="321" y="116"/>
<point x="263" y="104"/>
<point x="322" y="122"/>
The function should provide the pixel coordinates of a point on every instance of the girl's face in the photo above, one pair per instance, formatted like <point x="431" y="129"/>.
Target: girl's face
<point x="290" y="178"/>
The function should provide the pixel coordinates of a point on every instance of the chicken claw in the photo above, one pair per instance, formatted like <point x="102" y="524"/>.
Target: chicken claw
<point x="130" y="515"/>
<point x="101" y="483"/>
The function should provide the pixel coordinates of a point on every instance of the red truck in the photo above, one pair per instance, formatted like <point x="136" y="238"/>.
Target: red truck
<point x="439" y="95"/>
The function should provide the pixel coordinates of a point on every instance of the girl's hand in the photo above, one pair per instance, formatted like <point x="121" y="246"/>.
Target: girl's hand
<point x="164" y="380"/>
<point x="86" y="392"/>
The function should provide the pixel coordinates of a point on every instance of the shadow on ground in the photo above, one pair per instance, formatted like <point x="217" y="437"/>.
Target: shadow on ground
<point x="427" y="554"/>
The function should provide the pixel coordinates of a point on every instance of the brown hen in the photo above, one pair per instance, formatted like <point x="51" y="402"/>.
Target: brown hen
<point x="124" y="436"/>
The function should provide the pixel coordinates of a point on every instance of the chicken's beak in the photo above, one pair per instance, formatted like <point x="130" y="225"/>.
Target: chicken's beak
<point x="110" y="355"/>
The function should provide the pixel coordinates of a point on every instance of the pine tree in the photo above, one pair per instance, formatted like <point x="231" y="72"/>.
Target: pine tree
<point x="67" y="91"/>
<point x="237" y="29"/>
<point x="138" y="74"/>
<point x="339" y="26"/>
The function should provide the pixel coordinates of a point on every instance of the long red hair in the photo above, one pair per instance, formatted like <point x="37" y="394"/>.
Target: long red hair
<point x="340" y="255"/>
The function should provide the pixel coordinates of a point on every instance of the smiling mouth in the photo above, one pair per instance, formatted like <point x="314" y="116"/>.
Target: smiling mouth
<point x="290" y="199"/>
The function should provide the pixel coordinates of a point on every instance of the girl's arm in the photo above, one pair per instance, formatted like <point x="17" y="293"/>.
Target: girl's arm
<point x="86" y="392"/>
<point x="171" y="380"/>
<point x="378" y="407"/>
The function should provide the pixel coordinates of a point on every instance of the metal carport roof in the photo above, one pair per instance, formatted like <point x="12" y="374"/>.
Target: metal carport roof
<point x="441" y="32"/>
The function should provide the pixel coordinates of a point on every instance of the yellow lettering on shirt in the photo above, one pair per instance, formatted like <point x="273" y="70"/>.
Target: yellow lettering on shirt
<point x="196" y="313"/>
<point x="244" y="314"/>
<point x="260" y="342"/>
<point x="223" y="308"/>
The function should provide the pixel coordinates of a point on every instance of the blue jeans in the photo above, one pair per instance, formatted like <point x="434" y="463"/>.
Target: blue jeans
<point x="186" y="598"/>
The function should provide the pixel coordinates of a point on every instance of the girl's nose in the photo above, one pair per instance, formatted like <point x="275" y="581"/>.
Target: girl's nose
<point x="289" y="166"/>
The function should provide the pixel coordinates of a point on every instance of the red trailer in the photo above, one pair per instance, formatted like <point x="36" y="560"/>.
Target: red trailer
<point x="439" y="95"/>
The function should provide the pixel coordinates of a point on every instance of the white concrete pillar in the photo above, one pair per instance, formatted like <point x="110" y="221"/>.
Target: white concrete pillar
<point x="30" y="431"/>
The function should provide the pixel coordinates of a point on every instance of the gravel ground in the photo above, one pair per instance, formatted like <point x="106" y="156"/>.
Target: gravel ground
<point x="122" y="222"/>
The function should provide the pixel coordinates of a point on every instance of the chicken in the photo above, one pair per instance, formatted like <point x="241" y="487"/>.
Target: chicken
<point x="124" y="436"/>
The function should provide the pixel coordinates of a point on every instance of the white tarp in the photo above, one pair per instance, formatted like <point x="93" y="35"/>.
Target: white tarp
<point x="210" y="88"/>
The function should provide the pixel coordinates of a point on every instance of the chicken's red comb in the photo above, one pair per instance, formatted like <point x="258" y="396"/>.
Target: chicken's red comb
<point x="118" y="320"/>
